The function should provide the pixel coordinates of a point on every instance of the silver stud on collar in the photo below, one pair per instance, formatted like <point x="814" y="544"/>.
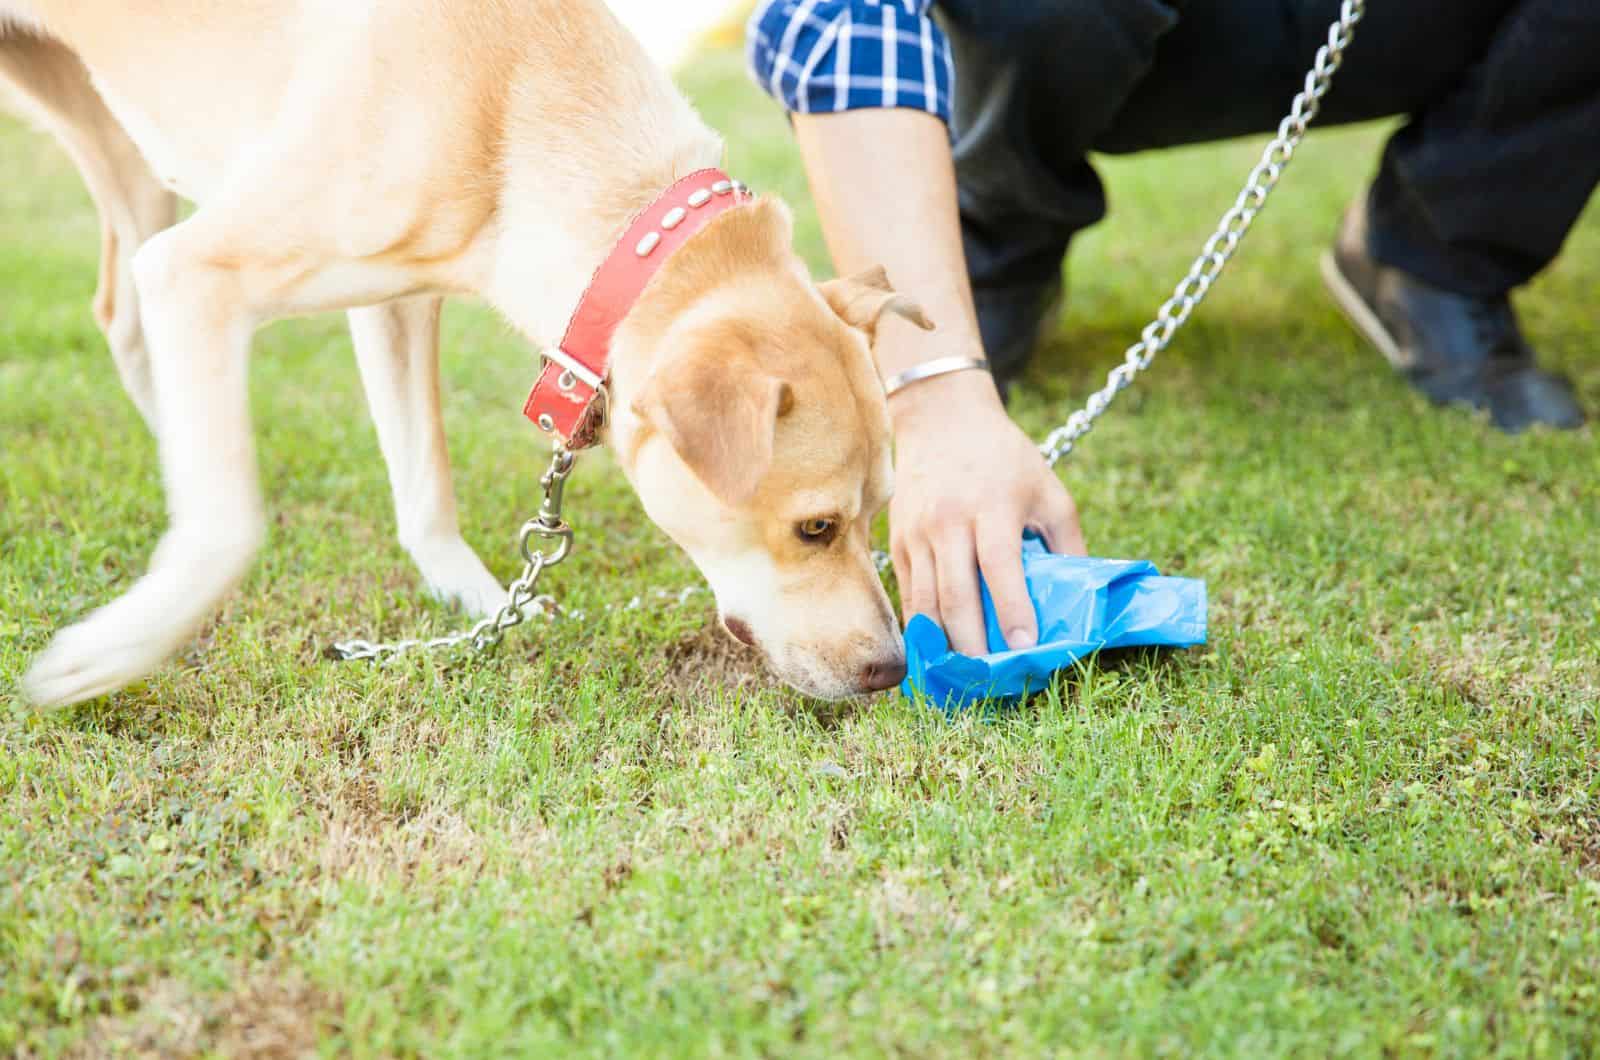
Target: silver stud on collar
<point x="677" y="215"/>
<point x="566" y="381"/>
<point x="546" y="423"/>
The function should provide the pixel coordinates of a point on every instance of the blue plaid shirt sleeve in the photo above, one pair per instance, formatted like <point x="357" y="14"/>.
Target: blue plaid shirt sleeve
<point x="815" y="56"/>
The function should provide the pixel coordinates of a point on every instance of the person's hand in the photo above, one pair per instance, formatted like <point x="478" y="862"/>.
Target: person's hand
<point x="968" y="481"/>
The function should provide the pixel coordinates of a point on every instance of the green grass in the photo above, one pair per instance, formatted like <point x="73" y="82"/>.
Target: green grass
<point x="1364" y="820"/>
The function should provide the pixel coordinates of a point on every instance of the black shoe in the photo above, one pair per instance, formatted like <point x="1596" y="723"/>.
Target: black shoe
<point x="1455" y="348"/>
<point x="1011" y="322"/>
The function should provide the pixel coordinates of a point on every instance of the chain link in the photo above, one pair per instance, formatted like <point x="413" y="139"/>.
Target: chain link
<point x="523" y="597"/>
<point x="1220" y="247"/>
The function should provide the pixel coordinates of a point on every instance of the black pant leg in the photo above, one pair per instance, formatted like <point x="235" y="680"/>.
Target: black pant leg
<point x="1479" y="191"/>
<point x="1231" y="67"/>
<point x="1039" y="83"/>
<point x="1036" y="82"/>
<point x="1475" y="194"/>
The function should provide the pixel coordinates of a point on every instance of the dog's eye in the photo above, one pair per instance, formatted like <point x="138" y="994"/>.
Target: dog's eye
<point x="818" y="531"/>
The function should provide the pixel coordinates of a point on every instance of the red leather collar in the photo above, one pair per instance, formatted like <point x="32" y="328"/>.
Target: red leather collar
<point x="567" y="401"/>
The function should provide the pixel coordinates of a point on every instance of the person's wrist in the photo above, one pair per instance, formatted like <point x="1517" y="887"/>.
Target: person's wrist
<point x="942" y="400"/>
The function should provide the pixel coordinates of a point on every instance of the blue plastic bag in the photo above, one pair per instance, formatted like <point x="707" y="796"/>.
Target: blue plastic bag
<point x="1082" y="605"/>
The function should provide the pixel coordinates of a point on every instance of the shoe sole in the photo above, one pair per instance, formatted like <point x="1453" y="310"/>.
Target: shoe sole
<point x="1359" y="313"/>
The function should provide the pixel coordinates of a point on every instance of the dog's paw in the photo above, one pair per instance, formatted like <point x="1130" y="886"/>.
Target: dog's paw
<point x="79" y="665"/>
<point x="456" y="575"/>
<point x="111" y="648"/>
<point x="135" y="633"/>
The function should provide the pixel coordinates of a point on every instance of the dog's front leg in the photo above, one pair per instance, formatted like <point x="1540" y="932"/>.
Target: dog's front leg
<point x="397" y="347"/>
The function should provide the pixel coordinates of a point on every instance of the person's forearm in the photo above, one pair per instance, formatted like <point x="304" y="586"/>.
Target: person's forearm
<point x="884" y="184"/>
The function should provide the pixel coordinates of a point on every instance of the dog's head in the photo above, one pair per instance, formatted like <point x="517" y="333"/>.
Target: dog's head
<point x="752" y="423"/>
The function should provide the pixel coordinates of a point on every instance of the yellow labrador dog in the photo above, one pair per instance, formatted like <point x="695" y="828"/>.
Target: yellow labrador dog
<point x="375" y="157"/>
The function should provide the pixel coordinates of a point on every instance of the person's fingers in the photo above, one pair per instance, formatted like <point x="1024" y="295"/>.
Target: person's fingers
<point x="1000" y="560"/>
<point x="924" y="584"/>
<point x="955" y="561"/>
<point x="1062" y="533"/>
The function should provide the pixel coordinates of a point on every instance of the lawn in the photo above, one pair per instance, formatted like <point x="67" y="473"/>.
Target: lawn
<point x="1364" y="820"/>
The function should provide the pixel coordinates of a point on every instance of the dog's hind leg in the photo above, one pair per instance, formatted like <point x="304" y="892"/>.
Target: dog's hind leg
<point x="54" y="89"/>
<point x="397" y="347"/>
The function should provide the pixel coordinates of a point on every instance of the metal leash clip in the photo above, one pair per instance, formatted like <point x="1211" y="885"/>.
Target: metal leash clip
<point x="549" y="524"/>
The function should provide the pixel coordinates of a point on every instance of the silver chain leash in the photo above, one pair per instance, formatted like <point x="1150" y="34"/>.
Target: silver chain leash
<point x="1219" y="249"/>
<point x="1203" y="274"/>
<point x="523" y="598"/>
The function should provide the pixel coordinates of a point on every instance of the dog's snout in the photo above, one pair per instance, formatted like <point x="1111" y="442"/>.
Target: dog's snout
<point x="883" y="674"/>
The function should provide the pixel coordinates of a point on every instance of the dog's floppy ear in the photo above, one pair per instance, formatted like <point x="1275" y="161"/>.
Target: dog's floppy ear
<point x="862" y="300"/>
<point x="721" y="414"/>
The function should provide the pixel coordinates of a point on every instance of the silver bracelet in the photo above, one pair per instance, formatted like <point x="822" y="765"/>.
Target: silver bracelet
<point x="928" y="369"/>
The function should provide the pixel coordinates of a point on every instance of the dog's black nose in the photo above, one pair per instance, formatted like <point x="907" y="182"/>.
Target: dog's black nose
<point x="883" y="674"/>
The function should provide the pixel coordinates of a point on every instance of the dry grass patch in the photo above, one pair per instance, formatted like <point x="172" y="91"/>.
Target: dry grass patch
<point x="1491" y="665"/>
<point x="709" y="659"/>
<point x="274" y="1013"/>
<point x="356" y="836"/>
